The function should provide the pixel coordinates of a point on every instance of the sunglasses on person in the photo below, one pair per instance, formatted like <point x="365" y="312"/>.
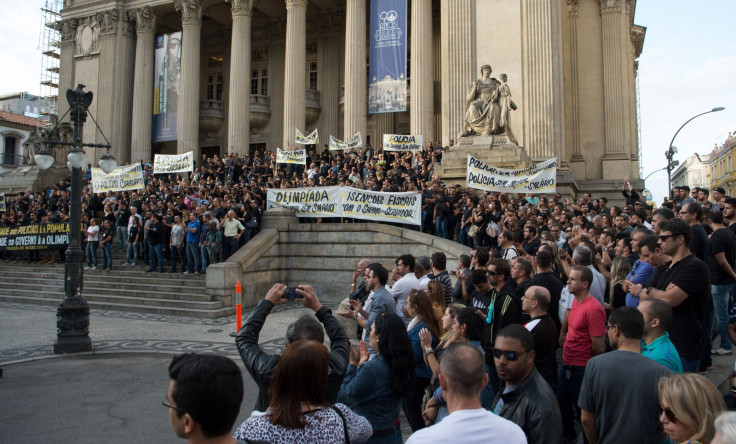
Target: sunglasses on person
<point x="491" y="273"/>
<point x="510" y="355"/>
<point x="671" y="417"/>
<point x="664" y="237"/>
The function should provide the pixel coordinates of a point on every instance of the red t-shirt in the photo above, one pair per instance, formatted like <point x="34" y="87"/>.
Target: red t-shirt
<point x="585" y="321"/>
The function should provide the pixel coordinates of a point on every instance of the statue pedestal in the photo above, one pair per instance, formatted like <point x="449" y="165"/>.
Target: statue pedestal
<point x="31" y="178"/>
<point x="497" y="151"/>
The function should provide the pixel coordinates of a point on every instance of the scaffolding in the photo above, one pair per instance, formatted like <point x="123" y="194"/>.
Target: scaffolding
<point x="50" y="45"/>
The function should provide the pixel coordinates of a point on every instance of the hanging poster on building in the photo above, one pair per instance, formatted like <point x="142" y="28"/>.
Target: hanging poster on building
<point x="173" y="163"/>
<point x="120" y="179"/>
<point x="35" y="237"/>
<point x="166" y="86"/>
<point x="2" y="203"/>
<point x="399" y="142"/>
<point x="296" y="156"/>
<point x="387" y="72"/>
<point x="311" y="139"/>
<point x="337" y="144"/>
<point x="540" y="178"/>
<point x="402" y="208"/>
<point x="306" y="202"/>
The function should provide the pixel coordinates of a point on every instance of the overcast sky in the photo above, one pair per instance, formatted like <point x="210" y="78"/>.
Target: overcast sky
<point x="688" y="66"/>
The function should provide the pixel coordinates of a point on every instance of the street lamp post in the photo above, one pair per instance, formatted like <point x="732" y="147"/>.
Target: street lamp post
<point x="72" y="315"/>
<point x="671" y="150"/>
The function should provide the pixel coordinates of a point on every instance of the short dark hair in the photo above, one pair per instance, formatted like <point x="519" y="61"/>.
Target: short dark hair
<point x="585" y="274"/>
<point x="407" y="260"/>
<point x="520" y="333"/>
<point x="650" y="241"/>
<point x="439" y="260"/>
<point x="463" y="365"/>
<point x="306" y="327"/>
<point x="716" y="216"/>
<point x="629" y="320"/>
<point x="475" y="323"/>
<point x="659" y="309"/>
<point x="465" y="260"/>
<point x="705" y="191"/>
<point x="478" y="277"/>
<point x="544" y="259"/>
<point x="379" y="271"/>
<point x="209" y="388"/>
<point x="696" y="209"/>
<point x="525" y="265"/>
<point x="666" y="213"/>
<point x="679" y="227"/>
<point x="532" y="229"/>
<point x="483" y="256"/>
<point x="502" y="266"/>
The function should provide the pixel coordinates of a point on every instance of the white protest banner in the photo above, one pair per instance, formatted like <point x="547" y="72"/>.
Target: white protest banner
<point x="296" y="156"/>
<point x="539" y="178"/>
<point x="306" y="202"/>
<point x="120" y="179"/>
<point x="2" y="203"/>
<point x="398" y="142"/>
<point x="311" y="139"/>
<point x="173" y="163"/>
<point x="404" y="208"/>
<point x="337" y="144"/>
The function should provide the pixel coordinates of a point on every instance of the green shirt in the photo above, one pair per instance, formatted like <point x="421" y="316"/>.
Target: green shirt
<point x="663" y="351"/>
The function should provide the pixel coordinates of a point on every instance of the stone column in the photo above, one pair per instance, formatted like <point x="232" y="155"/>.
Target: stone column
<point x="125" y="72"/>
<point x="295" y="70"/>
<point x="105" y="112"/>
<point x="329" y="74"/>
<point x="458" y="64"/>
<point x="355" y="70"/>
<point x="577" y="161"/>
<point x="145" y="21"/>
<point x="189" y="82"/>
<point x="66" y="64"/>
<point x="238" y="128"/>
<point x="543" y="109"/>
<point x="276" y="60"/>
<point x="616" y="88"/>
<point x="421" y="118"/>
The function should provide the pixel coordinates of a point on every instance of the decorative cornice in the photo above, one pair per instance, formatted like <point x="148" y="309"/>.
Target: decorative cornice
<point x="242" y="8"/>
<point x="191" y="11"/>
<point x="296" y="4"/>
<point x="145" y="20"/>
<point x="68" y="28"/>
<point x="108" y="21"/>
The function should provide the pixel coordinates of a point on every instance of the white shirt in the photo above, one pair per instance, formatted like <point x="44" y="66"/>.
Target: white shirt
<point x="400" y="291"/>
<point x="478" y="426"/>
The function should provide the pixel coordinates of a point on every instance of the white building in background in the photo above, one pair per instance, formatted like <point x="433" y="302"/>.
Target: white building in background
<point x="693" y="172"/>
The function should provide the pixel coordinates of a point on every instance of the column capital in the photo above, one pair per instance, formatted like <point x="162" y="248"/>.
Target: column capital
<point x="242" y="8"/>
<point x="108" y="21"/>
<point x="572" y="7"/>
<point x="611" y="6"/>
<point x="191" y="11"/>
<point x="145" y="19"/>
<point x="296" y="4"/>
<point x="68" y="29"/>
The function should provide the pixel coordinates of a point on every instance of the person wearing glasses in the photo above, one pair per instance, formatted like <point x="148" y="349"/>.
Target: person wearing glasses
<point x="204" y="397"/>
<point x="609" y="384"/>
<point x="524" y="398"/>
<point x="684" y="283"/>
<point x="689" y="404"/>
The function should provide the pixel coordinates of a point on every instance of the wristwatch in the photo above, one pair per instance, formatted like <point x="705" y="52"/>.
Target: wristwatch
<point x="428" y="351"/>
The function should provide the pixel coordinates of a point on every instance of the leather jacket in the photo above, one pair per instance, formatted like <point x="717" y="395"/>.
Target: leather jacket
<point x="532" y="406"/>
<point x="261" y="365"/>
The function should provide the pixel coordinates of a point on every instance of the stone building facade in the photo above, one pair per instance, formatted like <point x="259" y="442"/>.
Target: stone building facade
<point x="254" y="70"/>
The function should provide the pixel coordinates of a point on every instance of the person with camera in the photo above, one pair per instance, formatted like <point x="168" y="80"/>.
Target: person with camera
<point x="261" y="365"/>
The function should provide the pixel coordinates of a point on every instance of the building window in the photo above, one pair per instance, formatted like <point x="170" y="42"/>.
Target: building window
<point x="312" y="79"/>
<point x="214" y="86"/>
<point x="10" y="156"/>
<point x="259" y="81"/>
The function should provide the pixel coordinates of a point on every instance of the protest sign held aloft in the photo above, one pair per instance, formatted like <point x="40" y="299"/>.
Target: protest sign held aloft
<point x="539" y="178"/>
<point x="337" y="144"/>
<point x="121" y="179"/>
<point x="35" y="237"/>
<point x="173" y="163"/>
<point x="311" y="139"/>
<point x="296" y="156"/>
<point x="399" y="142"/>
<point x="307" y="202"/>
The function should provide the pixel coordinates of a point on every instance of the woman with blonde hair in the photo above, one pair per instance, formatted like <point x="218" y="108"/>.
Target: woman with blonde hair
<point x="616" y="294"/>
<point x="690" y="403"/>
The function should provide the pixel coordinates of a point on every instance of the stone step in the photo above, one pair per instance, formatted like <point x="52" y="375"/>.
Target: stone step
<point x="109" y="302"/>
<point x="150" y="291"/>
<point x="120" y="276"/>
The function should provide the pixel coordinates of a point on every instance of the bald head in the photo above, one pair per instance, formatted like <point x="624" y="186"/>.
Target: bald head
<point x="541" y="295"/>
<point x="463" y="370"/>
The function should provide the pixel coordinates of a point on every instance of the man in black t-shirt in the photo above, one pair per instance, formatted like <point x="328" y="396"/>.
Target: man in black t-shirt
<point x="683" y="283"/>
<point x="721" y="260"/>
<point x="535" y="303"/>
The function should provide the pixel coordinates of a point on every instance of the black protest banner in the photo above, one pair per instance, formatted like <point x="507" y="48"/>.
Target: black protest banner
<point x="35" y="237"/>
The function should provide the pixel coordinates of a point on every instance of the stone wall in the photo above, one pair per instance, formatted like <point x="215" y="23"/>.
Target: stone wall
<point x="321" y="255"/>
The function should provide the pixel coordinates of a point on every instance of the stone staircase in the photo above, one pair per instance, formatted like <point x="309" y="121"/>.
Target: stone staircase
<point x="123" y="289"/>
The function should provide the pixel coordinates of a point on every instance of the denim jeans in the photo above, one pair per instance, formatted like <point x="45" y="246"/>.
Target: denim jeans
<point x="146" y="251"/>
<point x="205" y="257"/>
<point x="157" y="254"/>
<point x="193" y="256"/>
<point x="107" y="255"/>
<point x="178" y="253"/>
<point x="690" y="366"/>
<point x="230" y="246"/>
<point x="132" y="253"/>
<point x="569" y="381"/>
<point x="721" y="296"/>
<point x="92" y="254"/>
<point x="122" y="237"/>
